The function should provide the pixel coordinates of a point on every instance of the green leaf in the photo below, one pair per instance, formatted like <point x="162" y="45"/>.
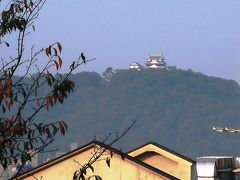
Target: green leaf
<point x="7" y="44"/>
<point x="59" y="47"/>
<point x="4" y="109"/>
<point x="75" y="175"/>
<point x="122" y="156"/>
<point x="4" y="163"/>
<point x="84" y="171"/>
<point x="91" y="167"/>
<point x="55" y="129"/>
<point x="48" y="132"/>
<point x="65" y="125"/>
<point x="33" y="28"/>
<point x="23" y="92"/>
<point x="62" y="128"/>
<point x="108" y="162"/>
<point x="49" y="50"/>
<point x="82" y="177"/>
<point x="97" y="177"/>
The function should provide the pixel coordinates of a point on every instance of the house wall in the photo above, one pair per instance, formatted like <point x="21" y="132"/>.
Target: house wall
<point x="119" y="169"/>
<point x="165" y="164"/>
<point x="164" y="160"/>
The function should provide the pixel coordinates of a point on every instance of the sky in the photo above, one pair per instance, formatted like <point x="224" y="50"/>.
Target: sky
<point x="202" y="35"/>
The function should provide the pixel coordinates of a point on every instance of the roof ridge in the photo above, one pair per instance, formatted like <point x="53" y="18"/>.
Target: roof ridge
<point x="88" y="145"/>
<point x="164" y="148"/>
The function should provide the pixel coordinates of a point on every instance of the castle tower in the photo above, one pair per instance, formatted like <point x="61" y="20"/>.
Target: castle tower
<point x="136" y="66"/>
<point x="156" y="61"/>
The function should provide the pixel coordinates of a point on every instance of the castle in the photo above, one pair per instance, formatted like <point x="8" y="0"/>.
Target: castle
<point x="155" y="62"/>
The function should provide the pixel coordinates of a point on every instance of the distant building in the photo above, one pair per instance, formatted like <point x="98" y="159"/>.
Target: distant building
<point x="34" y="160"/>
<point x="74" y="146"/>
<point x="218" y="167"/>
<point x="136" y="66"/>
<point x="58" y="154"/>
<point x="156" y="61"/>
<point x="7" y="173"/>
<point x="47" y="158"/>
<point x="13" y="168"/>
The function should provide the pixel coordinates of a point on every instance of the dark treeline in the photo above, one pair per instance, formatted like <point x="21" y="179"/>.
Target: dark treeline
<point x="176" y="109"/>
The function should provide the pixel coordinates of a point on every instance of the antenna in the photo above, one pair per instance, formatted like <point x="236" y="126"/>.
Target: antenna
<point x="163" y="57"/>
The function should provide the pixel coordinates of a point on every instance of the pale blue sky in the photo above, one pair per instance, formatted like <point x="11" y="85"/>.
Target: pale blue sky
<point x="203" y="35"/>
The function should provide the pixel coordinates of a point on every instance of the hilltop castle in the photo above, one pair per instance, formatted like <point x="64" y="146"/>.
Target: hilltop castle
<point x="156" y="61"/>
<point x="153" y="61"/>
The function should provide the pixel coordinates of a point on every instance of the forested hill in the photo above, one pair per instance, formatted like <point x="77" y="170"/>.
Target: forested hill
<point x="176" y="109"/>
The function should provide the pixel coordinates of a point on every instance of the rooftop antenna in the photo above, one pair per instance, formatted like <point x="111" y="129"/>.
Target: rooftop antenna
<point x="163" y="57"/>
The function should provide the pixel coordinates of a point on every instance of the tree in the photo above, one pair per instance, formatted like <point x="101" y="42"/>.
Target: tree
<point x="20" y="132"/>
<point x="107" y="74"/>
<point x="99" y="154"/>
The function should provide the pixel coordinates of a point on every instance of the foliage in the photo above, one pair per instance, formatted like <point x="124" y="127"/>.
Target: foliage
<point x="99" y="154"/>
<point x="174" y="108"/>
<point x="23" y="98"/>
<point x="108" y="73"/>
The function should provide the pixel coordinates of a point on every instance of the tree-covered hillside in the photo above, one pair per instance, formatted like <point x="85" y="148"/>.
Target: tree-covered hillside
<point x="176" y="109"/>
